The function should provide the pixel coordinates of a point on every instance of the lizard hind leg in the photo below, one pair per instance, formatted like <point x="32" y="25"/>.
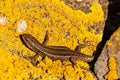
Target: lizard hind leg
<point x="73" y="61"/>
<point x="74" y="64"/>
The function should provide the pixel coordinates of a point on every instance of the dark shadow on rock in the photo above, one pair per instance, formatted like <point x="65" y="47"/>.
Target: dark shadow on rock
<point x="111" y="25"/>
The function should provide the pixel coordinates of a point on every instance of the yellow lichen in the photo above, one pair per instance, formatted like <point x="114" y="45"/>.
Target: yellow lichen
<point x="116" y="33"/>
<point x="109" y="43"/>
<point x="67" y="27"/>
<point x="112" y="74"/>
<point x="13" y="67"/>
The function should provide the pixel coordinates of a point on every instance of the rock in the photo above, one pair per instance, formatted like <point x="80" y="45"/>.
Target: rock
<point x="101" y="66"/>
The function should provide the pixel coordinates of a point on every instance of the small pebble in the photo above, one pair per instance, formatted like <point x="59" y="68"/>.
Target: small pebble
<point x="22" y="26"/>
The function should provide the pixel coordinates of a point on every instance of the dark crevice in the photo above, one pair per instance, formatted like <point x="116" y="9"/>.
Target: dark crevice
<point x="111" y="25"/>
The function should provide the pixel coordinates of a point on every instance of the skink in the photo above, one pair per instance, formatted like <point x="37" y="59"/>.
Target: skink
<point x="54" y="52"/>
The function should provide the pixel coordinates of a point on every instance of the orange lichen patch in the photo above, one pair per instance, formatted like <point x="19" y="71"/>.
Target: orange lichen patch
<point x="112" y="74"/>
<point x="66" y="27"/>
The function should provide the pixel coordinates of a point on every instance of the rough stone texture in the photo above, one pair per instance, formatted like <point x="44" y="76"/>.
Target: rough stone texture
<point x="111" y="25"/>
<point x="114" y="49"/>
<point x="101" y="66"/>
<point x="104" y="4"/>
